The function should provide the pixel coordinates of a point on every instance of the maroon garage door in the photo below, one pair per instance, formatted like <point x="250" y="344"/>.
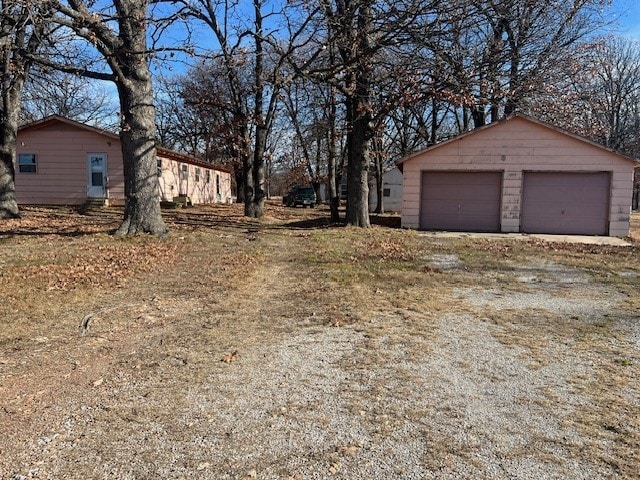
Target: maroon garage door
<point x="461" y="201"/>
<point x="568" y="203"/>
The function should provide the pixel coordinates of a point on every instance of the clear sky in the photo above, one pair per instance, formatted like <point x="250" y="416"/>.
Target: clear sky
<point x="628" y="13"/>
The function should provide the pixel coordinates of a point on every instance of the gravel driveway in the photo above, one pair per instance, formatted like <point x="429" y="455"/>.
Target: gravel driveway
<point x="524" y="373"/>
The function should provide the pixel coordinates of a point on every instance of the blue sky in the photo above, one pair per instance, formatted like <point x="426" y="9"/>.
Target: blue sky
<point x="628" y="12"/>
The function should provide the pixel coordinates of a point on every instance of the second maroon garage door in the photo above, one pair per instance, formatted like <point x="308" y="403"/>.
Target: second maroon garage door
<point x="461" y="201"/>
<point x="565" y="203"/>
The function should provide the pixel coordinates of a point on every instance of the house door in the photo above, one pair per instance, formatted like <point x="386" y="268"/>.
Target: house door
<point x="97" y="167"/>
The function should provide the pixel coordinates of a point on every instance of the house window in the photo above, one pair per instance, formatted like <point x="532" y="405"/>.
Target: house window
<point x="27" y="163"/>
<point x="185" y="172"/>
<point x="386" y="192"/>
<point x="159" y="167"/>
<point x="218" y="185"/>
<point x="208" y="176"/>
<point x="197" y="174"/>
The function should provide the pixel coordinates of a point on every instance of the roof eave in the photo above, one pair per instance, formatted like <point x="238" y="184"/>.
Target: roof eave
<point x="527" y="118"/>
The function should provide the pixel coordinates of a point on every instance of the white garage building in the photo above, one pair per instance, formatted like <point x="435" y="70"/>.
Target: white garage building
<point x="518" y="175"/>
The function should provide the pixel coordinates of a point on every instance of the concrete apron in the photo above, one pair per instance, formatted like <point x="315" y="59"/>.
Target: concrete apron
<point x="584" y="239"/>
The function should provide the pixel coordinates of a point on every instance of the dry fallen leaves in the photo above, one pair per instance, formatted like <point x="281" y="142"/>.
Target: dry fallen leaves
<point x="104" y="261"/>
<point x="230" y="357"/>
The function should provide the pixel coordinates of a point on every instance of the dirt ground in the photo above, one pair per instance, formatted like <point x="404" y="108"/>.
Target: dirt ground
<point x="287" y="348"/>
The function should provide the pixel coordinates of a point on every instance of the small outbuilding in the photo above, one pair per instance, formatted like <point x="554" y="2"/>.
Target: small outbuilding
<point x="391" y="191"/>
<point x="518" y="175"/>
<point x="63" y="162"/>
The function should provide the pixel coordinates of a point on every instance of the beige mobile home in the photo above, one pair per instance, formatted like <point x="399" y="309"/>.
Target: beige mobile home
<point x="63" y="162"/>
<point x="518" y="175"/>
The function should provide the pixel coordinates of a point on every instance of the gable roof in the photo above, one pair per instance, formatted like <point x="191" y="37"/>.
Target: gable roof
<point x="164" y="152"/>
<point x="527" y="119"/>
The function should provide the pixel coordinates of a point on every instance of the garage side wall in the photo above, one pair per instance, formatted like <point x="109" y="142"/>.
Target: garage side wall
<point x="513" y="147"/>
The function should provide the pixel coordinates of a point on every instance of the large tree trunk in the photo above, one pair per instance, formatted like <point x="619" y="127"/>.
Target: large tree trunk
<point x="8" y="133"/>
<point x="254" y="201"/>
<point x="358" y="112"/>
<point x="138" y="129"/>
<point x="239" y="175"/>
<point x="254" y="194"/>
<point x="358" y="167"/>
<point x="137" y="135"/>
<point x="16" y="43"/>
<point x="359" y="117"/>
<point x="358" y="186"/>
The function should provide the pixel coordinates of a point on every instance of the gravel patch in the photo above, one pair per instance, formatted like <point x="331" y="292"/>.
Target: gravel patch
<point x="377" y="402"/>
<point x="444" y="261"/>
<point x="588" y="302"/>
<point x="491" y="402"/>
<point x="546" y="272"/>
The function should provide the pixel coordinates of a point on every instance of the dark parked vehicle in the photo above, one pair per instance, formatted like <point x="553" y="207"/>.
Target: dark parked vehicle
<point x="300" y="196"/>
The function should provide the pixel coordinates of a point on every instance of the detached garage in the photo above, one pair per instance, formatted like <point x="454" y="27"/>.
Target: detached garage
<point x="518" y="175"/>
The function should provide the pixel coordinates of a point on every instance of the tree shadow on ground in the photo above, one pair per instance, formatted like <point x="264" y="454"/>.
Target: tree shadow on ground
<point x="310" y="224"/>
<point x="385" y="220"/>
<point x="63" y="221"/>
<point x="388" y="221"/>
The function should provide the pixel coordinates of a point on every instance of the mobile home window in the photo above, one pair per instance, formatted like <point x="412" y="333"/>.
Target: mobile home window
<point x="197" y="174"/>
<point x="185" y="172"/>
<point x="159" y="167"/>
<point x="27" y="163"/>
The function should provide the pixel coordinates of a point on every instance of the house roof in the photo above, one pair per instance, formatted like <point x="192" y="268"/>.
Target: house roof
<point x="528" y="119"/>
<point x="163" y="152"/>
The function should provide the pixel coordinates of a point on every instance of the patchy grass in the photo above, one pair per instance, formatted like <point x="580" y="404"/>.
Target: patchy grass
<point x="289" y="348"/>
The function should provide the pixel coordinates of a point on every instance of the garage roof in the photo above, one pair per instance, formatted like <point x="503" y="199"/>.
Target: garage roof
<point x="527" y="118"/>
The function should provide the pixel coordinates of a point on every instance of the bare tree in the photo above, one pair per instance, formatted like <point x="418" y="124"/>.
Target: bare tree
<point x="251" y="41"/>
<point x="119" y="33"/>
<point x="500" y="52"/>
<point x="304" y="104"/>
<point x="595" y="93"/>
<point x="51" y="92"/>
<point x="374" y="69"/>
<point x="616" y="64"/>
<point x="222" y="98"/>
<point x="23" y="25"/>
